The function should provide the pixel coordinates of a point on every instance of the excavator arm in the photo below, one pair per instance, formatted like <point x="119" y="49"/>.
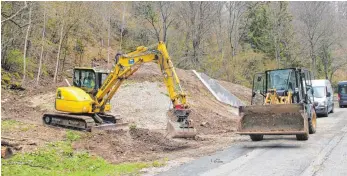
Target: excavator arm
<point x="86" y="111"/>
<point x="129" y="63"/>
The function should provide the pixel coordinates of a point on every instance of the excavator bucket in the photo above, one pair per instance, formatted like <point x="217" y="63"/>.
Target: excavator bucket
<point x="175" y="130"/>
<point x="275" y="119"/>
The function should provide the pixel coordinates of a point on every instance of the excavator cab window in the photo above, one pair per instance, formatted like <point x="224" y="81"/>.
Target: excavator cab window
<point x="85" y="79"/>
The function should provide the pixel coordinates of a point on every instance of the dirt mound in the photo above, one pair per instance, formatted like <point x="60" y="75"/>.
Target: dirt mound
<point x="243" y="93"/>
<point x="133" y="145"/>
<point x="208" y="114"/>
<point x="156" y="140"/>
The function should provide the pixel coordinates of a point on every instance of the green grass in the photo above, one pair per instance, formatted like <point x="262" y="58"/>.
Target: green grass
<point x="8" y="124"/>
<point x="132" y="126"/>
<point x="72" y="135"/>
<point x="158" y="163"/>
<point x="12" y="125"/>
<point x="59" y="158"/>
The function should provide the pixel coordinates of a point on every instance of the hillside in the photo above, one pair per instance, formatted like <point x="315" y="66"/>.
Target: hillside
<point x="141" y="100"/>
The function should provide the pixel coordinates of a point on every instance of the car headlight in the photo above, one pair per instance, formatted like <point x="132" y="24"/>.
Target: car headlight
<point x="324" y="103"/>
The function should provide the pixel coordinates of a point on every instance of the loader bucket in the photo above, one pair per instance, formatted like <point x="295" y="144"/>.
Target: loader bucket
<point x="175" y="130"/>
<point x="273" y="119"/>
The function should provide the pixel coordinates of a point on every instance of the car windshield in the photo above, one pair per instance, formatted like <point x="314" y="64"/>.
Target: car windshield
<point x="343" y="89"/>
<point x="319" y="92"/>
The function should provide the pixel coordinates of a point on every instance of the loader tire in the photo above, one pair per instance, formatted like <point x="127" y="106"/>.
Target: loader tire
<point x="312" y="124"/>
<point x="256" y="137"/>
<point x="302" y="137"/>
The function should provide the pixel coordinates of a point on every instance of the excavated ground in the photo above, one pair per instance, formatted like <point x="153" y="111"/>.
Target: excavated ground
<point x="142" y="101"/>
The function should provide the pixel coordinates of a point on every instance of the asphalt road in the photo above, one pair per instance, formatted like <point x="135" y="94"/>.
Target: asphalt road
<point x="325" y="153"/>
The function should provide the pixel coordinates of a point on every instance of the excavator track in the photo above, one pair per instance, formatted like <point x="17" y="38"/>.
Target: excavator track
<point x="81" y="122"/>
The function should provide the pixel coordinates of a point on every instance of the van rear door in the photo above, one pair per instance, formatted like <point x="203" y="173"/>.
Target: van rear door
<point x="342" y="93"/>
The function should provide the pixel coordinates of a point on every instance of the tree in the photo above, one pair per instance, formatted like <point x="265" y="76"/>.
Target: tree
<point x="281" y="32"/>
<point x="59" y="49"/>
<point x="16" y="13"/>
<point x="237" y="22"/>
<point x="259" y="35"/>
<point x="43" y="43"/>
<point x="122" y="27"/>
<point x="313" y="28"/>
<point x="198" y="19"/>
<point x="166" y="16"/>
<point x="148" y="11"/>
<point x="25" y="45"/>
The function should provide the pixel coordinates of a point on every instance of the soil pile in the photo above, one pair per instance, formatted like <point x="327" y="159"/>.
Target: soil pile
<point x="135" y="144"/>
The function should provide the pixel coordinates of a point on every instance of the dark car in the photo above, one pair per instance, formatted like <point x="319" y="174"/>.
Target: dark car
<point x="342" y="93"/>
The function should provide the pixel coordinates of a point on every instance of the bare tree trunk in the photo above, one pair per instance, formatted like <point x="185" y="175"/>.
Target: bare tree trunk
<point x="25" y="46"/>
<point x="313" y="57"/>
<point x="64" y="58"/>
<point x="108" y="41"/>
<point x="43" y="42"/>
<point x="277" y="54"/>
<point x="325" y="60"/>
<point x="165" y="11"/>
<point x="58" y="55"/>
<point x="122" y="28"/>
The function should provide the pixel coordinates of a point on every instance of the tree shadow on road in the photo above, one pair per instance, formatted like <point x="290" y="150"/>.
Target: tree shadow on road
<point x="275" y="142"/>
<point x="268" y="146"/>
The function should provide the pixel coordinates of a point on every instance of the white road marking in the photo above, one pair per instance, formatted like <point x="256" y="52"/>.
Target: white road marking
<point x="324" y="154"/>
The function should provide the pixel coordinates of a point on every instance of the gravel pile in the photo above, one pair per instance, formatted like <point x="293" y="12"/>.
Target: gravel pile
<point x="145" y="104"/>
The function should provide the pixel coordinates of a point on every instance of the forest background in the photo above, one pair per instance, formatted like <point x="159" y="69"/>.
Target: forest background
<point x="227" y="40"/>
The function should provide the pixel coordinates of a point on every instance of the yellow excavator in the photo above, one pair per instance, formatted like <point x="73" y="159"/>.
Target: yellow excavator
<point x="282" y="104"/>
<point x="84" y="105"/>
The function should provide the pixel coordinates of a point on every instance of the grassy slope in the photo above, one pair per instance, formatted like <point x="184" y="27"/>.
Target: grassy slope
<point x="59" y="158"/>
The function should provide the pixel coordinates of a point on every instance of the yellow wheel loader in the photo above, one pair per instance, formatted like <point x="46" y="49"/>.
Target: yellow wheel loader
<point x="85" y="104"/>
<point x="282" y="104"/>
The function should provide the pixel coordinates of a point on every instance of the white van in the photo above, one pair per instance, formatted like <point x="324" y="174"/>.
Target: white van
<point x="324" y="95"/>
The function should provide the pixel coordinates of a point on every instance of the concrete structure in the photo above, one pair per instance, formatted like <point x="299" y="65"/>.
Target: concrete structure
<point x="221" y="94"/>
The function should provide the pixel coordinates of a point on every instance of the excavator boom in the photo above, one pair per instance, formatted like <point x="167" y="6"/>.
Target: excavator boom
<point x="125" y="65"/>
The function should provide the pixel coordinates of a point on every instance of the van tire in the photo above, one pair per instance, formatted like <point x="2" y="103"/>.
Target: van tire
<point x="326" y="114"/>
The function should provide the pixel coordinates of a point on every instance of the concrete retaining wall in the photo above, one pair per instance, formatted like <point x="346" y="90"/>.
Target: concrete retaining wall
<point x="221" y="94"/>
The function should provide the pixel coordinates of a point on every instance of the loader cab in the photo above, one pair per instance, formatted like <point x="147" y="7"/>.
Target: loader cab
<point x="89" y="79"/>
<point x="294" y="80"/>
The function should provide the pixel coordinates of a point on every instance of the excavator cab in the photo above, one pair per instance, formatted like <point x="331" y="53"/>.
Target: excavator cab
<point x="280" y="105"/>
<point x="90" y="80"/>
